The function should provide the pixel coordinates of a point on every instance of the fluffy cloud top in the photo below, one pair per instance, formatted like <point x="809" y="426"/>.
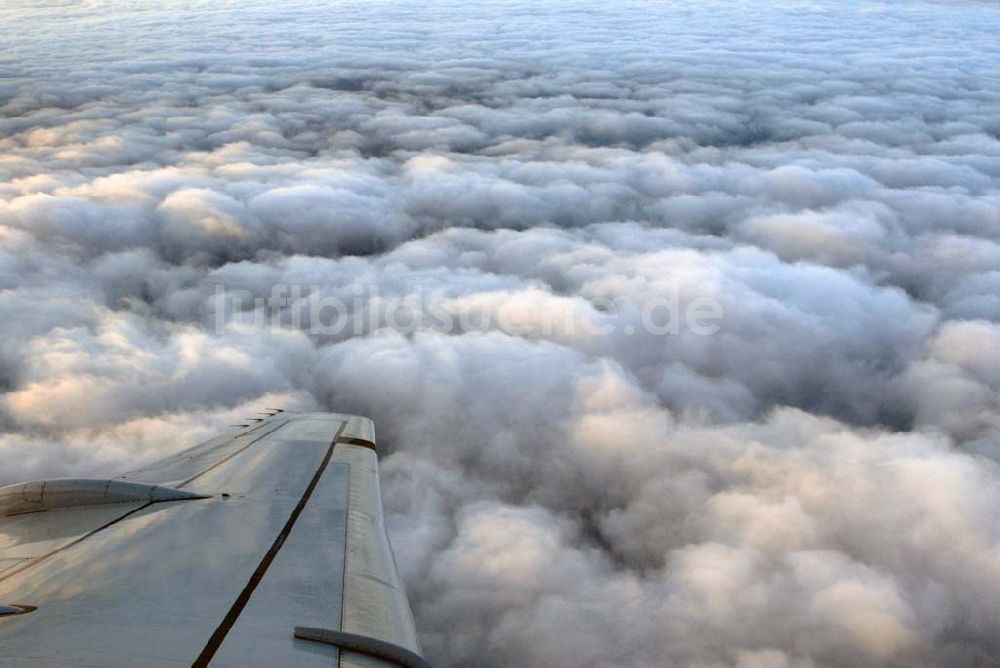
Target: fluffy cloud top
<point x="815" y="484"/>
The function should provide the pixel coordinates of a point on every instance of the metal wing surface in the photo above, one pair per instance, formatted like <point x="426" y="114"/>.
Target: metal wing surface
<point x="217" y="556"/>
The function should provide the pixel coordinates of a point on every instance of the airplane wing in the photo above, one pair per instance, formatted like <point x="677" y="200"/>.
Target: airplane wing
<point x="265" y="547"/>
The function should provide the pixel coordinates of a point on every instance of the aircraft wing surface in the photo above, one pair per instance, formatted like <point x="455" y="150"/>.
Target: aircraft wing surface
<point x="265" y="547"/>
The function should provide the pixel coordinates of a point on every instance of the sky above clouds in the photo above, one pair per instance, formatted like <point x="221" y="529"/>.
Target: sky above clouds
<point x="815" y="484"/>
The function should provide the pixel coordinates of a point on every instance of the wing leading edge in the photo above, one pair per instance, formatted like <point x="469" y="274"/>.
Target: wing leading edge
<point x="280" y="526"/>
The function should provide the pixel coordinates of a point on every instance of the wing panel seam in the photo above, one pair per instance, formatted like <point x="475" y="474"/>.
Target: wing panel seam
<point x="230" y="456"/>
<point x="79" y="540"/>
<point x="227" y="623"/>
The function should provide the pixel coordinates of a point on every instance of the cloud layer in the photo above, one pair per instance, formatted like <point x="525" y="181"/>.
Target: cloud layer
<point x="816" y="484"/>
